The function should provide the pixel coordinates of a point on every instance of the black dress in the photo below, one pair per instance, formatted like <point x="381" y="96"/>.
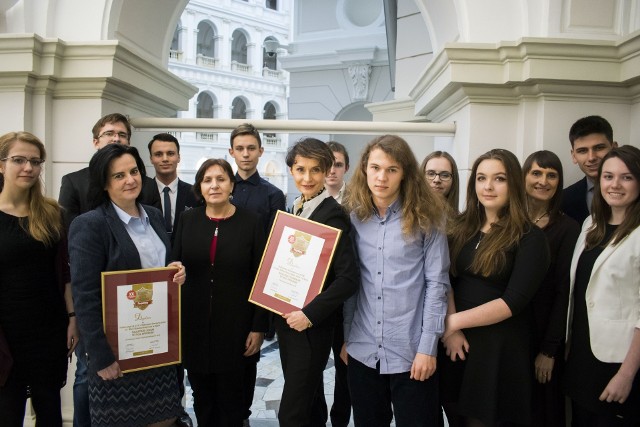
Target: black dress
<point x="494" y="383"/>
<point x="550" y="313"/>
<point x="33" y="315"/>
<point x="586" y="377"/>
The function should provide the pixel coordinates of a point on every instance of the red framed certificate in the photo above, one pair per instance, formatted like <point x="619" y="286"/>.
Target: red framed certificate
<point x="141" y="317"/>
<point x="294" y="264"/>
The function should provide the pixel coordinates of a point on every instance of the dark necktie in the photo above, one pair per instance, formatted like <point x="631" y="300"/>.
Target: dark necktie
<point x="167" y="210"/>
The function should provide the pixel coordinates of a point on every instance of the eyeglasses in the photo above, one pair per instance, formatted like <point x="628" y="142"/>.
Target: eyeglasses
<point x="444" y="176"/>
<point x="21" y="161"/>
<point x="111" y="134"/>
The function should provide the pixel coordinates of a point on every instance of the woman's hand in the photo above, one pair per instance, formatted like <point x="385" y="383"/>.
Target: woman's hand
<point x="544" y="368"/>
<point x="253" y="343"/>
<point x="343" y="354"/>
<point x="449" y="327"/>
<point x="297" y="320"/>
<point x="111" y="372"/>
<point x="181" y="275"/>
<point x="72" y="336"/>
<point x="618" y="389"/>
<point x="456" y="345"/>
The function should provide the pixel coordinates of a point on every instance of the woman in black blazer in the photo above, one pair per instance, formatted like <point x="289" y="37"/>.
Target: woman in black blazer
<point x="221" y="245"/>
<point x="119" y="234"/>
<point x="305" y="336"/>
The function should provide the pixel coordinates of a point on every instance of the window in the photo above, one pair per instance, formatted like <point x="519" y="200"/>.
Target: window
<point x="206" y="40"/>
<point x="239" y="47"/>
<point x="271" y="4"/>
<point x="238" y="109"/>
<point x="205" y="106"/>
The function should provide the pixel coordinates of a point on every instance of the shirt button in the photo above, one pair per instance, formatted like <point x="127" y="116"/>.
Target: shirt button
<point x="379" y="272"/>
<point x="379" y="297"/>
<point x="379" y="346"/>
<point x="379" y="322"/>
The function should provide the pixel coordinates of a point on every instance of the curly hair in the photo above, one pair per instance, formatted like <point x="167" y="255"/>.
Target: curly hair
<point x="422" y="209"/>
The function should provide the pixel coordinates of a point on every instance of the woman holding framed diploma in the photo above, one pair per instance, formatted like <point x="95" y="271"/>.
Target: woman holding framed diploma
<point x="305" y="335"/>
<point x="36" y="309"/>
<point x="221" y="245"/>
<point x="119" y="234"/>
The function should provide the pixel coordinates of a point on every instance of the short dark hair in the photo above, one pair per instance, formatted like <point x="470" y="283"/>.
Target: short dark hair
<point x="166" y="137"/>
<point x="203" y="169"/>
<point x="311" y="148"/>
<point x="548" y="160"/>
<point x="590" y="125"/>
<point x="245" y="129"/>
<point x="336" y="147"/>
<point x="99" y="171"/>
<point x="110" y="118"/>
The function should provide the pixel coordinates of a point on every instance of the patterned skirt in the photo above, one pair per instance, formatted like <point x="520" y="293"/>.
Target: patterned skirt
<point x="138" y="398"/>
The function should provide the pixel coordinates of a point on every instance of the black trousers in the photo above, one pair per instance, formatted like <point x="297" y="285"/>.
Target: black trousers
<point x="44" y="398"/>
<point x="341" y="409"/>
<point x="218" y="398"/>
<point x="415" y="403"/>
<point x="304" y="356"/>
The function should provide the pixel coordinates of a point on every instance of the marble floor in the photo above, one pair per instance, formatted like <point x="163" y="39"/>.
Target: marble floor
<point x="266" y="399"/>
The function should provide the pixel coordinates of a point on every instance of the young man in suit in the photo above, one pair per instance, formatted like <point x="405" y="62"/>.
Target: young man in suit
<point x="110" y="129"/>
<point x="591" y="139"/>
<point x="336" y="186"/>
<point x="164" y="150"/>
<point x="255" y="193"/>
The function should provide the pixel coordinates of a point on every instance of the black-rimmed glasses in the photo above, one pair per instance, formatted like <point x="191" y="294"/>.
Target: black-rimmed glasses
<point x="21" y="161"/>
<point x="111" y="134"/>
<point x="444" y="176"/>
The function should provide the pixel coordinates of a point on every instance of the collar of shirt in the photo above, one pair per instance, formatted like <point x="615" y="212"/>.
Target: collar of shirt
<point x="340" y="194"/>
<point x="127" y="219"/>
<point x="253" y="179"/>
<point x="311" y="205"/>
<point x="173" y="186"/>
<point x="393" y="208"/>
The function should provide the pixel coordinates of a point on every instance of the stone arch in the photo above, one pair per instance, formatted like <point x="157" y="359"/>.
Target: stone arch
<point x="239" y="107"/>
<point x="206" y="105"/>
<point x="206" y="45"/>
<point x="239" y="46"/>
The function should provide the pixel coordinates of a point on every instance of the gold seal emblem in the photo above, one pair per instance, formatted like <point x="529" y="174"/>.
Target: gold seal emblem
<point x="143" y="295"/>
<point x="299" y="243"/>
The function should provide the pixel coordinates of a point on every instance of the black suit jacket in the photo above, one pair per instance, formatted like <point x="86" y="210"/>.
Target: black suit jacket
<point x="74" y="189"/>
<point x="98" y="241"/>
<point x="343" y="277"/>
<point x="185" y="199"/>
<point x="574" y="201"/>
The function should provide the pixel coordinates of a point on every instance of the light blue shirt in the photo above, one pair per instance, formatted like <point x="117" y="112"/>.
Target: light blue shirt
<point x="402" y="301"/>
<point x="150" y="247"/>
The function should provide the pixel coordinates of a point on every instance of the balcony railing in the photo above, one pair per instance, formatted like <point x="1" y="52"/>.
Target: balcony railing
<point x="273" y="74"/>
<point x="207" y="61"/>
<point x="239" y="67"/>
<point x="272" y="141"/>
<point x="207" y="136"/>
<point x="176" y="55"/>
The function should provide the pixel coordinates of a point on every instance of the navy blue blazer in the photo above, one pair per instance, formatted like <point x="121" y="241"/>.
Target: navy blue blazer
<point x="98" y="241"/>
<point x="574" y="201"/>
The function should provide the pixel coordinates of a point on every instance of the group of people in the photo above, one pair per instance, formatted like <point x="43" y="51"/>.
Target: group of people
<point x="531" y="293"/>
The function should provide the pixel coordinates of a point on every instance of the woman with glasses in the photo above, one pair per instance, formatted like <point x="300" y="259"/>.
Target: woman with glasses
<point x="499" y="259"/>
<point x="36" y="308"/>
<point x="543" y="179"/>
<point x="441" y="173"/>
<point x="120" y="233"/>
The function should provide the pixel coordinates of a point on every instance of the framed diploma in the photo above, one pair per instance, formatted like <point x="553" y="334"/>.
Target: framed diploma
<point x="141" y="317"/>
<point x="294" y="264"/>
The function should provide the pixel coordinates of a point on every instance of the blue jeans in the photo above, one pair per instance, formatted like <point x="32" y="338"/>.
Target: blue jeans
<point x="415" y="403"/>
<point x="81" y="417"/>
